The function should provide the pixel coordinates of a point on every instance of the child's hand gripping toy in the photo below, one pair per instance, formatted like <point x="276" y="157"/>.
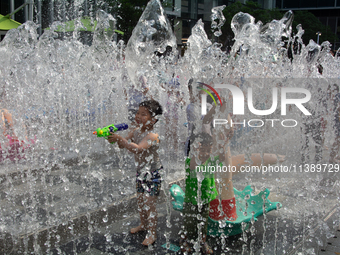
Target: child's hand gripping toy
<point x="106" y="131"/>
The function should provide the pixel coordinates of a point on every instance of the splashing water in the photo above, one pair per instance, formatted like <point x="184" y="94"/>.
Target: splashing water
<point x="60" y="90"/>
<point x="217" y="14"/>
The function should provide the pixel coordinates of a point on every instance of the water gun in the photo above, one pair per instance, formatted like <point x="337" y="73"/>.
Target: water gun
<point x="106" y="131"/>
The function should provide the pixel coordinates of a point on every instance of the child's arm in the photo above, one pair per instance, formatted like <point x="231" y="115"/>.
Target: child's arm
<point x="208" y="118"/>
<point x="193" y="163"/>
<point x="7" y="116"/>
<point x="133" y="147"/>
<point x="230" y="131"/>
<point x="228" y="134"/>
<point x="128" y="137"/>
<point x="221" y="138"/>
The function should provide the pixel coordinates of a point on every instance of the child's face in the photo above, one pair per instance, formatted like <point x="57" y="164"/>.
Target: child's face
<point x="204" y="152"/>
<point x="143" y="116"/>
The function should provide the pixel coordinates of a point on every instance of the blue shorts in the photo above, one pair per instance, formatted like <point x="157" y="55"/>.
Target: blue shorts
<point x="152" y="185"/>
<point x="337" y="127"/>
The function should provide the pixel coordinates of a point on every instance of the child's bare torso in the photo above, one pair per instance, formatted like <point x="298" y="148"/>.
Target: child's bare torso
<point x="148" y="160"/>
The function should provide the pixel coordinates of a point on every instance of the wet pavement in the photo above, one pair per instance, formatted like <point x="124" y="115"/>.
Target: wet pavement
<point x="118" y="240"/>
<point x="308" y="223"/>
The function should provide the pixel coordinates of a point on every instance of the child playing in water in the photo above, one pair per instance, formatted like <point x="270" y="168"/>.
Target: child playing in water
<point x="201" y="195"/>
<point x="14" y="148"/>
<point x="197" y="201"/>
<point x="144" y="143"/>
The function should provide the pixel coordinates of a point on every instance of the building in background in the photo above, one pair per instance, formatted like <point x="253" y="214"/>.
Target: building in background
<point x="45" y="12"/>
<point x="327" y="11"/>
<point x="184" y="14"/>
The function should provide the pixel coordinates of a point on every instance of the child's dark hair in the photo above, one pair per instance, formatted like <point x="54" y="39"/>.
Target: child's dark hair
<point x="153" y="107"/>
<point x="203" y="138"/>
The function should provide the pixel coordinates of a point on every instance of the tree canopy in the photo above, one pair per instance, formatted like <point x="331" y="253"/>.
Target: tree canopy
<point x="127" y="14"/>
<point x="310" y="23"/>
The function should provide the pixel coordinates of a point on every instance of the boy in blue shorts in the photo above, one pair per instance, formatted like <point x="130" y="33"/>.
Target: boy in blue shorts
<point x="144" y="144"/>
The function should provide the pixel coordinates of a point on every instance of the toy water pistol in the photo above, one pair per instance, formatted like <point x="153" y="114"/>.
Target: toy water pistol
<point x="105" y="132"/>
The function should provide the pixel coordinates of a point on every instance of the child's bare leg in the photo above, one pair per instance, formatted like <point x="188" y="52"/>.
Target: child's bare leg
<point x="227" y="183"/>
<point x="227" y="196"/>
<point x="142" y="214"/>
<point x="268" y="159"/>
<point x="227" y="187"/>
<point x="205" y="248"/>
<point x="150" y="204"/>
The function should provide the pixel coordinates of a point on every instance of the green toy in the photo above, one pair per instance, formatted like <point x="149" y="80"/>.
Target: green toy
<point x="248" y="206"/>
<point x="106" y="131"/>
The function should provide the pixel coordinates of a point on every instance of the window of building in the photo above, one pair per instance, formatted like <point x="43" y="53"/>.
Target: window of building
<point x="290" y="4"/>
<point x="225" y="2"/>
<point x="308" y="3"/>
<point x="338" y="27"/>
<point x="326" y="3"/>
<point x="20" y="15"/>
<point x="189" y="9"/>
<point x="200" y="9"/>
<point x="186" y="28"/>
<point x="4" y="7"/>
<point x="332" y="23"/>
<point x="278" y="4"/>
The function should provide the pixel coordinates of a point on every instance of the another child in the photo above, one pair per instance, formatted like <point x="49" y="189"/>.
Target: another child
<point x="144" y="144"/>
<point x="13" y="148"/>
<point x="200" y="192"/>
<point x="202" y="199"/>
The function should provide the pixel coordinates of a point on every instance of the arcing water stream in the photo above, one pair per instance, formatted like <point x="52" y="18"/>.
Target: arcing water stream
<point x="60" y="90"/>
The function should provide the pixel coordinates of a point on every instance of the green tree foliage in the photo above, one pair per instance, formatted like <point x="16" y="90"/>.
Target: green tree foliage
<point x="311" y="25"/>
<point x="250" y="7"/>
<point x="309" y="22"/>
<point x="127" y="14"/>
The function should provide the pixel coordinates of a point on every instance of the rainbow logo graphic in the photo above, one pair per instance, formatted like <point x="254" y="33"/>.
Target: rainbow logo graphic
<point x="208" y="92"/>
